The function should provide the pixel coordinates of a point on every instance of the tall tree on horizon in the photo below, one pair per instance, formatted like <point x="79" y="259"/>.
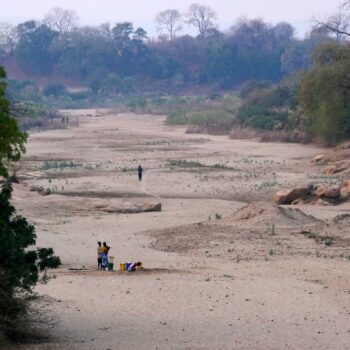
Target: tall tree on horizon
<point x="169" y="20"/>
<point x="202" y="17"/>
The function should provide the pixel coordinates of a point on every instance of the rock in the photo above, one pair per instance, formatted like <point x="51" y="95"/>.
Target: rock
<point x="345" y="189"/>
<point x="320" y="202"/>
<point x="345" y="145"/>
<point x="147" y="207"/>
<point x="319" y="191"/>
<point x="280" y="197"/>
<point x="330" y="169"/>
<point x="335" y="168"/>
<point x="299" y="201"/>
<point x="320" y="159"/>
<point x="289" y="196"/>
<point x="332" y="192"/>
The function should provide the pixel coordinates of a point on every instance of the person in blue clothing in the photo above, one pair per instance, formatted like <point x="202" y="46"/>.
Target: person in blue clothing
<point x="104" y="256"/>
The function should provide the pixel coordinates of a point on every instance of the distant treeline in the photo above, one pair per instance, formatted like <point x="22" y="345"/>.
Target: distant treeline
<point x="116" y="59"/>
<point x="253" y="76"/>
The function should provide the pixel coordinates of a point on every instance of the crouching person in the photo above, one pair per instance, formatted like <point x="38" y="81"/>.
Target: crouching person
<point x="133" y="266"/>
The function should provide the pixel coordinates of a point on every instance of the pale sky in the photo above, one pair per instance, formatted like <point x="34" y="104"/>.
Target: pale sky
<point x="142" y="12"/>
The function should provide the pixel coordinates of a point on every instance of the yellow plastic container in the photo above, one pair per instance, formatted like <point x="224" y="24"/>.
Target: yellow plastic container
<point x="122" y="266"/>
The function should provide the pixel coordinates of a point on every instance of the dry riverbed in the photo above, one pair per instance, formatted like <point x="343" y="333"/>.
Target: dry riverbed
<point x="224" y="267"/>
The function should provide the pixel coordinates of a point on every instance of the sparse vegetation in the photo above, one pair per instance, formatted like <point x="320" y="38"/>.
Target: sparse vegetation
<point x="61" y="165"/>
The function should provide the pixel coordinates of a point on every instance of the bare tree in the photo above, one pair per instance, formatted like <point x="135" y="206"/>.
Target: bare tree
<point x="169" y="20"/>
<point x="8" y="36"/>
<point x="61" y="20"/>
<point x="338" y="23"/>
<point x="201" y="17"/>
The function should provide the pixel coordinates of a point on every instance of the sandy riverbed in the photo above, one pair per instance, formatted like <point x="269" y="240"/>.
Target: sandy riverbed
<point x="225" y="269"/>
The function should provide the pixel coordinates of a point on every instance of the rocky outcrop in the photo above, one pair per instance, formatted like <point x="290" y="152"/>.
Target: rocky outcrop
<point x="345" y="189"/>
<point x="147" y="207"/>
<point x="128" y="208"/>
<point x="336" y="167"/>
<point x="335" y="162"/>
<point x="289" y="196"/>
<point x="313" y="194"/>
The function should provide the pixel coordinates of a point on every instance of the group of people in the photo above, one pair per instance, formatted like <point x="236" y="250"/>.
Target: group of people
<point x="103" y="248"/>
<point x="102" y="256"/>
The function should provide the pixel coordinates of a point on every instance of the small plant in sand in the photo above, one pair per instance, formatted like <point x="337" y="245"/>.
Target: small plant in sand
<point x="271" y="252"/>
<point x="59" y="165"/>
<point x="218" y="216"/>
<point x="328" y="241"/>
<point x="272" y="229"/>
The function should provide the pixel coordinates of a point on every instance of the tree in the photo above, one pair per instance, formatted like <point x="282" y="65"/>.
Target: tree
<point x="325" y="93"/>
<point x="61" y="20"/>
<point x="12" y="140"/>
<point x="8" y="36"/>
<point x="20" y="266"/>
<point x="54" y="89"/>
<point x="33" y="50"/>
<point x="219" y="65"/>
<point x="201" y="17"/>
<point x="338" y="23"/>
<point x="169" y="20"/>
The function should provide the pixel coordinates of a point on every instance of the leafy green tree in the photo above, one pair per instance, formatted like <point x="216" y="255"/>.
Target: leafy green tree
<point x="220" y="65"/>
<point x="325" y="93"/>
<point x="12" y="140"/>
<point x="20" y="266"/>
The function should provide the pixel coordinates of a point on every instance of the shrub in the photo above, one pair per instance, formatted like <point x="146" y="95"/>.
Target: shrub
<point x="20" y="266"/>
<point x="54" y="89"/>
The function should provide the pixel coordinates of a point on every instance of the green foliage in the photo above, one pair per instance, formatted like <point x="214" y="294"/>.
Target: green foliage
<point x="23" y="90"/>
<point x="60" y="165"/>
<point x="325" y="93"/>
<point x="273" y="107"/>
<point x="54" y="89"/>
<point x="12" y="140"/>
<point x="20" y="266"/>
<point x="104" y="57"/>
<point x="33" y="51"/>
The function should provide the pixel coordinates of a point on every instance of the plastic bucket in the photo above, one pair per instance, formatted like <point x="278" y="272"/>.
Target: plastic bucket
<point x="127" y="265"/>
<point x="122" y="266"/>
<point x="110" y="266"/>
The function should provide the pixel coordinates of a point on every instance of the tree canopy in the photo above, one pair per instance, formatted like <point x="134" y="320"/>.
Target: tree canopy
<point x="12" y="140"/>
<point x="325" y="93"/>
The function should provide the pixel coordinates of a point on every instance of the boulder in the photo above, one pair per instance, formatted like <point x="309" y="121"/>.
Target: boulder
<point x="331" y="169"/>
<point x="289" y="196"/>
<point x="320" y="159"/>
<point x="319" y="191"/>
<point x="147" y="207"/>
<point x="299" y="201"/>
<point x="332" y="192"/>
<point x="320" y="202"/>
<point x="335" y="168"/>
<point x="345" y="189"/>
<point x="345" y="145"/>
<point x="280" y="197"/>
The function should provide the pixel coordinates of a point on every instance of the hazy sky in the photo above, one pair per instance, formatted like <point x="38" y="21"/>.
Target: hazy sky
<point x="142" y="12"/>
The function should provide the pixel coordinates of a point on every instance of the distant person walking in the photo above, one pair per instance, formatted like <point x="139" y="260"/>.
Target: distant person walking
<point x="140" y="172"/>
